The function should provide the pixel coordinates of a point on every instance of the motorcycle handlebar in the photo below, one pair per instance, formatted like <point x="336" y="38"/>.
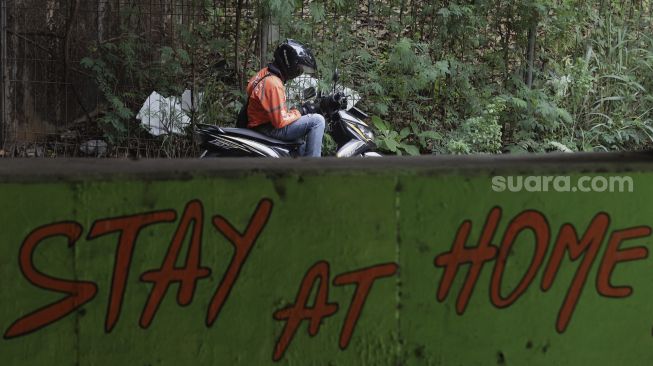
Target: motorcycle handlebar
<point x="333" y="102"/>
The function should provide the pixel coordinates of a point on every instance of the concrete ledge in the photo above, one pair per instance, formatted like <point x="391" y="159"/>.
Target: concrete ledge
<point x="434" y="252"/>
<point x="90" y="169"/>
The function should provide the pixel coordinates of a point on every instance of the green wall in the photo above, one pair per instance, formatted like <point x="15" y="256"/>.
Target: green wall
<point x="389" y="218"/>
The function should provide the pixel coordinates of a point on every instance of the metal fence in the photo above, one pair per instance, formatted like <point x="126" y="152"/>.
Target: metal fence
<point x="51" y="105"/>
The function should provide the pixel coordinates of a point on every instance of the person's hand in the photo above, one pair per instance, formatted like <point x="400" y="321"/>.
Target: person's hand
<point x="309" y="108"/>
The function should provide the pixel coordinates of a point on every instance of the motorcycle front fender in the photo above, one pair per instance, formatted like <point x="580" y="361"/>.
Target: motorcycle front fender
<point x="353" y="148"/>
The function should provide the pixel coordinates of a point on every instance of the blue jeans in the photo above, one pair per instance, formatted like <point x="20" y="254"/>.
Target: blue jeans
<point x="310" y="127"/>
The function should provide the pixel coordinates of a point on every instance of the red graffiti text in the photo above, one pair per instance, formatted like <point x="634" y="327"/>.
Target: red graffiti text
<point x="295" y="314"/>
<point x="584" y="249"/>
<point x="127" y="228"/>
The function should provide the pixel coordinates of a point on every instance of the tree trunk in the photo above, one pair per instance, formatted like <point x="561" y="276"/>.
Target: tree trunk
<point x="101" y="21"/>
<point x="4" y="92"/>
<point x="269" y="35"/>
<point x="370" y="18"/>
<point x="532" y="37"/>
<point x="506" y="47"/>
<point x="401" y="19"/>
<point x="239" y="8"/>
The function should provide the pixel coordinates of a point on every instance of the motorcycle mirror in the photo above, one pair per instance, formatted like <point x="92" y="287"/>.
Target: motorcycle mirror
<point x="309" y="93"/>
<point x="336" y="75"/>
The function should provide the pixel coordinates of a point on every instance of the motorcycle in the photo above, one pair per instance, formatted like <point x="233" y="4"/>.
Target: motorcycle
<point x="352" y="135"/>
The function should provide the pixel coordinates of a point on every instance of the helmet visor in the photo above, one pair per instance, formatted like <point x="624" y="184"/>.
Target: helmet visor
<point x="307" y="69"/>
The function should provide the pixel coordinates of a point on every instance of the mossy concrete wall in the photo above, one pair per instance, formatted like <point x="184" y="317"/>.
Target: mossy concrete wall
<point x="352" y="262"/>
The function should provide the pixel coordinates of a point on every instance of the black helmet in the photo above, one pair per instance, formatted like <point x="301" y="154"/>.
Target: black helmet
<point x="293" y="59"/>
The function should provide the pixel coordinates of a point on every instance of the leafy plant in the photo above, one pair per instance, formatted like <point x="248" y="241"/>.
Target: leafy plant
<point x="440" y="77"/>
<point x="392" y="141"/>
<point x="410" y="140"/>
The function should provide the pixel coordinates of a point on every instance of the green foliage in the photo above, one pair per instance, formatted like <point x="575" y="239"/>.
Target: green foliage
<point x="393" y="141"/>
<point x="458" y="70"/>
<point x="125" y="78"/>
<point x="458" y="147"/>
<point x="220" y="104"/>
<point x="130" y="67"/>
<point x="478" y="134"/>
<point x="410" y="140"/>
<point x="439" y="77"/>
<point x="483" y="133"/>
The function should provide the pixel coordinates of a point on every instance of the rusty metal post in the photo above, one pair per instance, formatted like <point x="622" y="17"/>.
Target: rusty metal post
<point x="3" y="70"/>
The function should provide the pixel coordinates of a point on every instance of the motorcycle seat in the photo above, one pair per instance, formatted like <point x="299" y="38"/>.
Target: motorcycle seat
<point x="247" y="133"/>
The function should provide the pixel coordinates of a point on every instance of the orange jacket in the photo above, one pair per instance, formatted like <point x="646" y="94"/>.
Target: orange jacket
<point x="267" y="102"/>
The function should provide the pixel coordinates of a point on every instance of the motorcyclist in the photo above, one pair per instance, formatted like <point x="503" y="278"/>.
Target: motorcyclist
<point x="267" y="111"/>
